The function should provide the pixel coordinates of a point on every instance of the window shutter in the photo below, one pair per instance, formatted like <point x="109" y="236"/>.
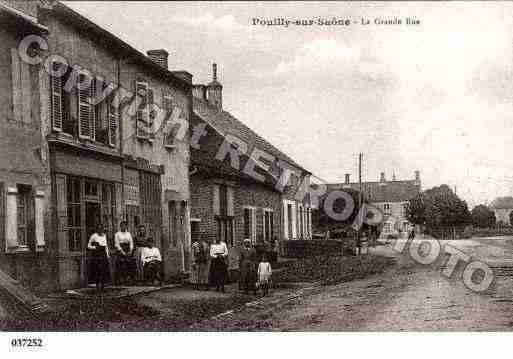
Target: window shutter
<point x="294" y="221"/>
<point x="229" y="200"/>
<point x="263" y="225"/>
<point x="93" y="109"/>
<point x="16" y="85"/>
<point x="285" y="221"/>
<point x="118" y="216"/>
<point x="39" y="219"/>
<point x="169" y="134"/>
<point x="112" y="117"/>
<point x="85" y="113"/>
<point x="253" y="225"/>
<point x="56" y="100"/>
<point x="11" y="223"/>
<point x="62" y="212"/>
<point x="216" y="206"/>
<point x="141" y="122"/>
<point x="2" y="213"/>
<point x="151" y="114"/>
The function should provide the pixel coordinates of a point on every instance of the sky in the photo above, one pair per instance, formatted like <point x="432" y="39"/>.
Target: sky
<point x="435" y="97"/>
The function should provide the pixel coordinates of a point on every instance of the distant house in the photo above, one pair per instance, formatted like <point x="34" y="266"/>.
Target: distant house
<point x="390" y="197"/>
<point x="502" y="207"/>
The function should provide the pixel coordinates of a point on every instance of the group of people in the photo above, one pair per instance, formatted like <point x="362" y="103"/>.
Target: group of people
<point x="135" y="260"/>
<point x="210" y="267"/>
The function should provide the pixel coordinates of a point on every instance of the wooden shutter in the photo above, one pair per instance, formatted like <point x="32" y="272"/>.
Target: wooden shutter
<point x="2" y="214"/>
<point x="253" y="225"/>
<point x="56" y="100"/>
<point x="39" y="219"/>
<point x="62" y="212"/>
<point x="11" y="222"/>
<point x="216" y="202"/>
<point x="141" y="122"/>
<point x="85" y="111"/>
<point x="229" y="201"/>
<point x="118" y="216"/>
<point x="285" y="221"/>
<point x="16" y="85"/>
<point x="264" y="237"/>
<point x="112" y="117"/>
<point x="151" y="114"/>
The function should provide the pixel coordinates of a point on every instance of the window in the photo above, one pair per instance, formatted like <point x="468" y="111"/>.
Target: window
<point x="301" y="222"/>
<point x="386" y="208"/>
<point x="225" y="230"/>
<point x="223" y="211"/>
<point x="74" y="214"/>
<point x="250" y="224"/>
<point x="143" y="121"/>
<point x="23" y="212"/>
<point x="268" y="227"/>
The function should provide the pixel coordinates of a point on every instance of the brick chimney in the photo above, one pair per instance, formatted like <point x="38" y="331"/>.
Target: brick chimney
<point x="417" y="176"/>
<point x="382" y="177"/>
<point x="159" y="56"/>
<point x="200" y="91"/>
<point x="347" y="178"/>
<point x="215" y="90"/>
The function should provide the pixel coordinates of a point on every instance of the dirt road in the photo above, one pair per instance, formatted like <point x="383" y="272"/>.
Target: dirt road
<point x="410" y="296"/>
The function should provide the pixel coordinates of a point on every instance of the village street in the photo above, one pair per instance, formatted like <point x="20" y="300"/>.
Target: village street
<point x="409" y="296"/>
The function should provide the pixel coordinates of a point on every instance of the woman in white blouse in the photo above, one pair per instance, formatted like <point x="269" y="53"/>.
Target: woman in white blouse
<point x="99" y="257"/>
<point x="218" y="265"/>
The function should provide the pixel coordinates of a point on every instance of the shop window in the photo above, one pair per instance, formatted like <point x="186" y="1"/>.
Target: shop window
<point x="250" y="224"/>
<point x="91" y="188"/>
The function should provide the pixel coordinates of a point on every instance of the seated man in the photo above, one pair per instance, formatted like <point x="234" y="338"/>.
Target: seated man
<point x="152" y="262"/>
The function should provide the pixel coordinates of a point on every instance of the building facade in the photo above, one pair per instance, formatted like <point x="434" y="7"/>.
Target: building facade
<point x="389" y="196"/>
<point x="502" y="208"/>
<point x="234" y="189"/>
<point x="109" y="120"/>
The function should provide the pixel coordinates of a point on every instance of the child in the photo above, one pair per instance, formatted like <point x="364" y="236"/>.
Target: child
<point x="264" y="275"/>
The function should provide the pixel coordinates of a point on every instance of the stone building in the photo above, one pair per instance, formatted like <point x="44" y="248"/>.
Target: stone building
<point x="235" y="192"/>
<point x="390" y="196"/>
<point x="502" y="208"/>
<point x="110" y="123"/>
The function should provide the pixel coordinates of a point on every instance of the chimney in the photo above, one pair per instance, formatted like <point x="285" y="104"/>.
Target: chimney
<point x="347" y="178"/>
<point x="158" y="56"/>
<point x="215" y="90"/>
<point x="382" y="177"/>
<point x="199" y="91"/>
<point x="417" y="176"/>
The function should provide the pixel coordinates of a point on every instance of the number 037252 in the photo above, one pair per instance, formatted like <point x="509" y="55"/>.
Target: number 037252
<point x="26" y="342"/>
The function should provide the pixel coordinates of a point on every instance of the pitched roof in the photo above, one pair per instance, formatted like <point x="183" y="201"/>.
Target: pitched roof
<point x="502" y="203"/>
<point x="388" y="191"/>
<point x="226" y="124"/>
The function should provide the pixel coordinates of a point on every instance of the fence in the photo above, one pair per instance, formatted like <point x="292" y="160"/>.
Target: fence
<point x="313" y="248"/>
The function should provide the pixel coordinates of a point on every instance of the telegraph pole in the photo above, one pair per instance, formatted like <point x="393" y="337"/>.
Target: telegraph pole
<point x="360" y="201"/>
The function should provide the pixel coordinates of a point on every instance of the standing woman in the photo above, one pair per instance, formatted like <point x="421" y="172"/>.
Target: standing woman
<point x="100" y="256"/>
<point x="247" y="267"/>
<point x="218" y="265"/>
<point x="140" y="244"/>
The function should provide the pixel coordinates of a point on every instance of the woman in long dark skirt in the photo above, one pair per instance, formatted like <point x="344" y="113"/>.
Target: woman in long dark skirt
<point x="247" y="267"/>
<point x="218" y="265"/>
<point x="99" y="257"/>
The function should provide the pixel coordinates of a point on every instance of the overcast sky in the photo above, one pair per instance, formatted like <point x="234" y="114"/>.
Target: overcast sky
<point x="436" y="97"/>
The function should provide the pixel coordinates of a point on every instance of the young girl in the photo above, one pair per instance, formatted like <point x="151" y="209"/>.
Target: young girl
<point x="100" y="256"/>
<point x="264" y="275"/>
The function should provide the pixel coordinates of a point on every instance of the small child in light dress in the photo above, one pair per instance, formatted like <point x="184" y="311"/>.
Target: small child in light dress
<point x="264" y="275"/>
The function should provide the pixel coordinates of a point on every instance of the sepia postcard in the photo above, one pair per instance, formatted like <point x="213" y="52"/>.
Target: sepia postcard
<point x="255" y="166"/>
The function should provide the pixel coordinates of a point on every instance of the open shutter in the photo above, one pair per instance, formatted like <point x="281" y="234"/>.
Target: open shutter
<point x="151" y="114"/>
<point x="56" y="100"/>
<point x="39" y="219"/>
<point x="112" y="117"/>
<point x="62" y="212"/>
<point x="285" y="221"/>
<point x="229" y="201"/>
<point x="2" y="214"/>
<point x="85" y="111"/>
<point x="216" y="201"/>
<point x="16" y="85"/>
<point x="11" y="223"/>
<point x="253" y="225"/>
<point x="141" y="124"/>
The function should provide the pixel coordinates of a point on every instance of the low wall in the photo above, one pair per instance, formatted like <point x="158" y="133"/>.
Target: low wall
<point x="314" y="248"/>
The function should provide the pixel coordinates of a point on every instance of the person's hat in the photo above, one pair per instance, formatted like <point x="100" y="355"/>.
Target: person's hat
<point x="247" y="240"/>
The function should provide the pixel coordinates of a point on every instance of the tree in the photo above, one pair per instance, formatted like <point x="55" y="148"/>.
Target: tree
<point x="438" y="208"/>
<point x="483" y="217"/>
<point x="511" y="218"/>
